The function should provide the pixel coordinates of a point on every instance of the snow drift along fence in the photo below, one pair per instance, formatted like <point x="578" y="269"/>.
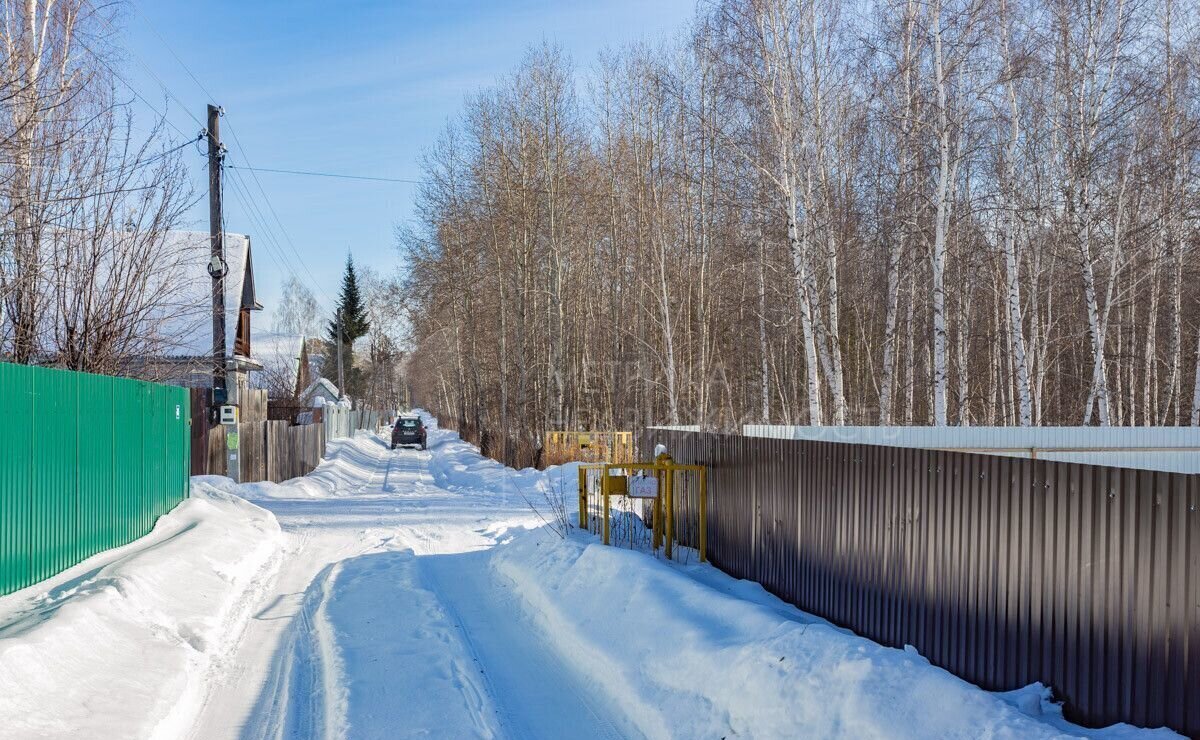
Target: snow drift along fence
<point x="1003" y="570"/>
<point x="87" y="463"/>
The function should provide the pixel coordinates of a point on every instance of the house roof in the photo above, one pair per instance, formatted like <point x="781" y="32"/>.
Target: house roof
<point x="187" y="323"/>
<point x="323" y="384"/>
<point x="279" y="354"/>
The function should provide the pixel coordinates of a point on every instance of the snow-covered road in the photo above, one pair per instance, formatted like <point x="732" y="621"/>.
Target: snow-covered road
<point x="386" y="618"/>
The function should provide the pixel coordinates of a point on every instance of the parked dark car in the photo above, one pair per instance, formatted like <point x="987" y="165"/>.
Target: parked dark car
<point x="408" y="430"/>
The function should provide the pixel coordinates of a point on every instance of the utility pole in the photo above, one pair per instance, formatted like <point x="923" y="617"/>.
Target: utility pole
<point x="217" y="269"/>
<point x="216" y="265"/>
<point x="341" y="378"/>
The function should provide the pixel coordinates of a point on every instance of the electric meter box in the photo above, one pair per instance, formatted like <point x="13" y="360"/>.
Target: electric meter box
<point x="229" y="415"/>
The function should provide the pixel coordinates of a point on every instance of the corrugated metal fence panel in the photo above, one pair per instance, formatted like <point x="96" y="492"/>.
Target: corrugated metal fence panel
<point x="980" y="439"/>
<point x="16" y="476"/>
<point x="95" y="520"/>
<point x="127" y="459"/>
<point x="55" y="444"/>
<point x="1002" y="570"/>
<point x="154" y="459"/>
<point x="89" y="462"/>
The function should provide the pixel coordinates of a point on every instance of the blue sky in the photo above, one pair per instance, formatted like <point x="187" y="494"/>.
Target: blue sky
<point x="348" y="87"/>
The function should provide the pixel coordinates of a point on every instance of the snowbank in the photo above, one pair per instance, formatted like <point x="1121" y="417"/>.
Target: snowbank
<point x="704" y="663"/>
<point x="347" y="464"/>
<point x="458" y="466"/>
<point x="121" y="644"/>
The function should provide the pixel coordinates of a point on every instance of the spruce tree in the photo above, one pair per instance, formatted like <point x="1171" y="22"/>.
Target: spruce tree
<point x="354" y="325"/>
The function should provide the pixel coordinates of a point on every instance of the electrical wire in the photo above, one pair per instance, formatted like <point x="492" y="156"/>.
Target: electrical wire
<point x="131" y="165"/>
<point x="117" y="76"/>
<point x="269" y="242"/>
<point x="674" y="200"/>
<point x="310" y="173"/>
<point x="166" y="90"/>
<point x="263" y="222"/>
<point x="195" y="79"/>
<point x="266" y="199"/>
<point x="272" y="247"/>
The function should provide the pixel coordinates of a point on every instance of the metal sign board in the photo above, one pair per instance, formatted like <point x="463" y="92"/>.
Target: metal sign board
<point x="643" y="487"/>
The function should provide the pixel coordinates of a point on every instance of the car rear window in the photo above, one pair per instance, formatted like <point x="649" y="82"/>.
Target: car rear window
<point x="409" y="423"/>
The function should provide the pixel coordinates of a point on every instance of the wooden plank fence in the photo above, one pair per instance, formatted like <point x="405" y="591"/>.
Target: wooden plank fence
<point x="1003" y="570"/>
<point x="292" y="451"/>
<point x="270" y="450"/>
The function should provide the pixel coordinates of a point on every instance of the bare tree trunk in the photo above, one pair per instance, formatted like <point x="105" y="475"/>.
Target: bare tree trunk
<point x="764" y="377"/>
<point x="937" y="254"/>
<point x="1011" y="260"/>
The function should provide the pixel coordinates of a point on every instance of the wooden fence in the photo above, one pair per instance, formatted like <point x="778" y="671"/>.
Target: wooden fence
<point x="292" y="451"/>
<point x="1003" y="570"/>
<point x="288" y="411"/>
<point x="270" y="450"/>
<point x="564" y="447"/>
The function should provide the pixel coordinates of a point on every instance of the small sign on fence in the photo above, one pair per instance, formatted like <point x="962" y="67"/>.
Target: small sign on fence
<point x="643" y="486"/>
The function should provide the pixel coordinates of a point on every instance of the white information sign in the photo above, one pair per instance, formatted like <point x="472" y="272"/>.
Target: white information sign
<point x="643" y="487"/>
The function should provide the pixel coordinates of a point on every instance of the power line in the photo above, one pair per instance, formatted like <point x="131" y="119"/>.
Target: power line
<point x="154" y="30"/>
<point x="263" y="222"/>
<point x="162" y="116"/>
<point x="274" y="249"/>
<point x="310" y="173"/>
<point x="127" y="165"/>
<point x="269" y="242"/>
<point x="672" y="199"/>
<point x="266" y="199"/>
<point x="166" y="90"/>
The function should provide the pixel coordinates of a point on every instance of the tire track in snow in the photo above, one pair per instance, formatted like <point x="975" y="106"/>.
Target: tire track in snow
<point x="386" y="621"/>
<point x="536" y="694"/>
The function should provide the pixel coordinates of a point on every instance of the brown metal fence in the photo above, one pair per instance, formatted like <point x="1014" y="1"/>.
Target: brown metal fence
<point x="1003" y="570"/>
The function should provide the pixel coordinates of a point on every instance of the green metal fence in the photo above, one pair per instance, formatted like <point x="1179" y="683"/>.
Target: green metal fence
<point x="87" y="462"/>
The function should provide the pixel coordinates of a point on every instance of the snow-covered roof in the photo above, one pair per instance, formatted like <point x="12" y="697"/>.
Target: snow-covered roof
<point x="187" y="322"/>
<point x="279" y="355"/>
<point x="321" y="387"/>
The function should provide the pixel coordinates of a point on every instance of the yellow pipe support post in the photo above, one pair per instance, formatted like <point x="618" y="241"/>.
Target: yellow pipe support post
<point x="656" y="528"/>
<point x="662" y="472"/>
<point x="669" y="535"/>
<point x="583" y="498"/>
<point x="604" y="493"/>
